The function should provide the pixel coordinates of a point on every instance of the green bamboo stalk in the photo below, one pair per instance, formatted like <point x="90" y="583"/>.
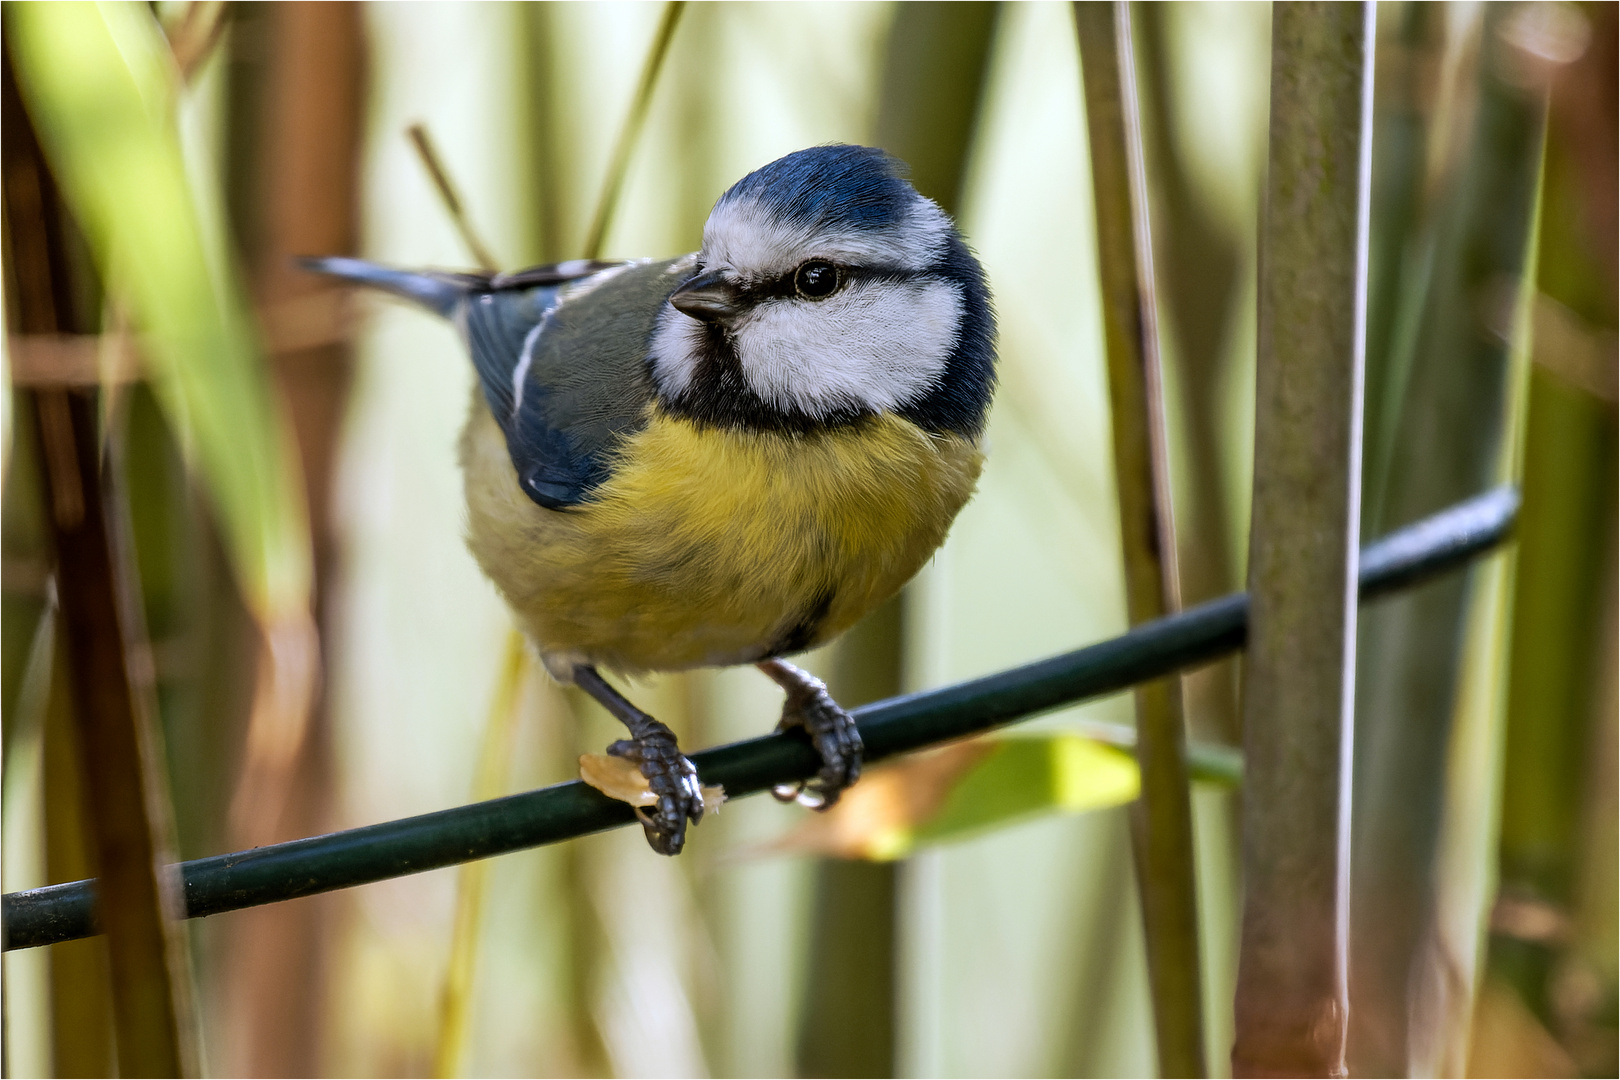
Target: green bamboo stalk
<point x="1555" y="923"/>
<point x="1457" y="411"/>
<point x="1292" y="969"/>
<point x="37" y="711"/>
<point x="543" y="156"/>
<point x="1162" y="819"/>
<point x="1201" y="272"/>
<point x="1408" y="128"/>
<point x="1555" y="664"/>
<point x="466" y="934"/>
<point x="938" y="56"/>
<point x="936" y="61"/>
<point x="427" y="151"/>
<point x="607" y="204"/>
<point x="585" y="947"/>
<point x="848" y="1026"/>
<point x="455" y="998"/>
<point x="24" y="611"/>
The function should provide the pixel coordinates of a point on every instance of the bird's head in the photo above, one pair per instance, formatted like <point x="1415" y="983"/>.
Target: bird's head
<point x="828" y="290"/>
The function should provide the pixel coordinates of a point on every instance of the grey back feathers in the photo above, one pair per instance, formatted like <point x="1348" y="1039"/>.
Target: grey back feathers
<point x="560" y="352"/>
<point x="578" y="377"/>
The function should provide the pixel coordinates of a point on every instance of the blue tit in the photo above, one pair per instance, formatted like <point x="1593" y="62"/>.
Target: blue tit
<point x="728" y="457"/>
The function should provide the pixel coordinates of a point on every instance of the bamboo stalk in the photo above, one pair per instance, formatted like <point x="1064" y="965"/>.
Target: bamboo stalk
<point x="296" y="100"/>
<point x="543" y="157"/>
<point x="587" y="947"/>
<point x="455" y="998"/>
<point x="1162" y="818"/>
<point x="1292" y="995"/>
<point x="1201" y="278"/>
<point x="80" y="997"/>
<point x="848" y="1025"/>
<point x="936" y="60"/>
<point x="1458" y="401"/>
<point x="101" y="631"/>
<point x="584" y="939"/>
<point x="37" y="707"/>
<point x="121" y="766"/>
<point x="1410" y="129"/>
<point x="427" y="151"/>
<point x="1557" y="844"/>
<point x="607" y="203"/>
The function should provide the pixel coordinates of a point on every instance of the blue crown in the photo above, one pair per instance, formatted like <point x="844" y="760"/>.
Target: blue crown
<point x="830" y="185"/>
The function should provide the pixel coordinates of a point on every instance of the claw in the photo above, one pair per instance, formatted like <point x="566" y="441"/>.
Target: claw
<point x="673" y="780"/>
<point x="836" y="739"/>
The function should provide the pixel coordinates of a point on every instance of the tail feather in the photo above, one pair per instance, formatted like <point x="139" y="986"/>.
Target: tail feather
<point x="438" y="292"/>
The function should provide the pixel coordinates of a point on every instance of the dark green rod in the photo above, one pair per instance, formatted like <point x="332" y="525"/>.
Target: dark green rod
<point x="447" y="837"/>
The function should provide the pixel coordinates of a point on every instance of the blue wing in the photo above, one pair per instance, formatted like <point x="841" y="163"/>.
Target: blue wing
<point x="561" y="358"/>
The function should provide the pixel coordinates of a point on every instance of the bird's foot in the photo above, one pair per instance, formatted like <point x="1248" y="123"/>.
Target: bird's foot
<point x="674" y="782"/>
<point x="671" y="778"/>
<point x="831" y="730"/>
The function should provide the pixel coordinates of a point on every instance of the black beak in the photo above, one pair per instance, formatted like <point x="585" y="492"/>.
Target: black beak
<point x="709" y="297"/>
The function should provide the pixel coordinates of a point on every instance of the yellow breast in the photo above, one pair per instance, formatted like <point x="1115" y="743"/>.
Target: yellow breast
<point x="709" y="547"/>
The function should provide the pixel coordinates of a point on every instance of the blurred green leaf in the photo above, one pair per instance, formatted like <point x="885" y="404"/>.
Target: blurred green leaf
<point x="1024" y="777"/>
<point x="102" y="87"/>
<point x="983" y="784"/>
<point x="963" y="789"/>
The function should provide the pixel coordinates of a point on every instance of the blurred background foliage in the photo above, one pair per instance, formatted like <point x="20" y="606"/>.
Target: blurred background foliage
<point x="986" y="932"/>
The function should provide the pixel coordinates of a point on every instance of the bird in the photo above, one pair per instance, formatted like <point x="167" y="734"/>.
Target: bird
<point x="727" y="457"/>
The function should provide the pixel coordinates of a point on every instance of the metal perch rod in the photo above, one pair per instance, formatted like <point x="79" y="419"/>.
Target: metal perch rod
<point x="265" y="875"/>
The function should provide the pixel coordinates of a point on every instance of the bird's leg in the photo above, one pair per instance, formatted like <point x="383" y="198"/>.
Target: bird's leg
<point x="831" y="729"/>
<point x="652" y="747"/>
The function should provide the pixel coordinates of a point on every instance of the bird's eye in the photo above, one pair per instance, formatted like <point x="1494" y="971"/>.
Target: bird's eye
<point x="816" y="280"/>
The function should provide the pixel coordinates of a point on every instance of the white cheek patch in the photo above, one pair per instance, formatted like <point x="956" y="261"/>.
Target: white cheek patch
<point x="876" y="344"/>
<point x="677" y="342"/>
<point x="748" y="238"/>
<point x="676" y="339"/>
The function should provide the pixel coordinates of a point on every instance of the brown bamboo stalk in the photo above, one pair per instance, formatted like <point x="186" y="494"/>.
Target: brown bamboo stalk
<point x="1291" y="995"/>
<point x="104" y="643"/>
<point x="1162" y="818"/>
<point x="298" y="109"/>
<point x="80" y="997"/>
<point x="120" y="762"/>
